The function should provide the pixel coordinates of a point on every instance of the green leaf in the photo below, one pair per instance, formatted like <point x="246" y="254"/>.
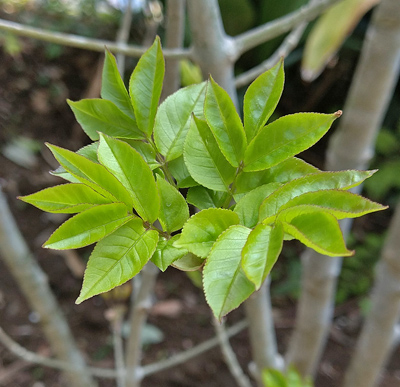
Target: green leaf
<point x="341" y="180"/>
<point x="174" y="211"/>
<point x="225" y="284"/>
<point x="316" y="228"/>
<point x="285" y="171"/>
<point x="341" y="204"/>
<point x="181" y="174"/>
<point x="173" y="118"/>
<point x="131" y="170"/>
<point x="66" y="198"/>
<point x="261" y="251"/>
<point x="286" y="137"/>
<point x="145" y="86"/>
<point x="188" y="263"/>
<point x="261" y="99"/>
<point x="117" y="258"/>
<point x="112" y="86"/>
<point x="203" y="198"/>
<point x="88" y="226"/>
<point x="146" y="151"/>
<point x="92" y="174"/>
<point x="204" y="160"/>
<point x="100" y="115"/>
<point x="166" y="253"/>
<point x="248" y="206"/>
<point x="202" y="230"/>
<point x="225" y="123"/>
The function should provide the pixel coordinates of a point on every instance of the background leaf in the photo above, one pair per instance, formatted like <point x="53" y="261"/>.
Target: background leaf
<point x="203" y="198"/>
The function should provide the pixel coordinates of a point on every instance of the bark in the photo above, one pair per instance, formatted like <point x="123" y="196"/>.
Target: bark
<point x="34" y="284"/>
<point x="351" y="147"/>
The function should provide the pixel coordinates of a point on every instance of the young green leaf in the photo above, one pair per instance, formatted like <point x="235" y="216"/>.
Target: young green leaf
<point x="189" y="262"/>
<point x="316" y="228"/>
<point x="145" y="86"/>
<point x="204" y="160"/>
<point x="88" y="226"/>
<point x="117" y="258"/>
<point x="92" y="174"/>
<point x="131" y="170"/>
<point x="65" y="198"/>
<point x="341" y="180"/>
<point x="112" y="86"/>
<point x="203" y="198"/>
<point x="341" y="204"/>
<point x="101" y="115"/>
<point x="286" y="137"/>
<point x="174" y="211"/>
<point x="173" y="118"/>
<point x="248" y="206"/>
<point x="261" y="251"/>
<point x="166" y="253"/>
<point x="181" y="174"/>
<point x="202" y="230"/>
<point x="146" y="151"/>
<point x="225" y="284"/>
<point x="261" y="99"/>
<point x="225" y="123"/>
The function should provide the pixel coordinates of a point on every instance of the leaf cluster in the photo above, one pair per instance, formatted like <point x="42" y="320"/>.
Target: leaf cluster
<point x="251" y="191"/>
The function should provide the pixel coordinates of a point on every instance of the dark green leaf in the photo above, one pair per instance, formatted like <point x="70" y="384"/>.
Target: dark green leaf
<point x="179" y="171"/>
<point x="145" y="86"/>
<point x="204" y="160"/>
<point x="202" y="230"/>
<point x="225" y="284"/>
<point x="225" y="123"/>
<point x="204" y="198"/>
<point x="261" y="99"/>
<point x="166" y="253"/>
<point x="173" y="119"/>
<point x="88" y="226"/>
<point x="117" y="258"/>
<point x="284" y="138"/>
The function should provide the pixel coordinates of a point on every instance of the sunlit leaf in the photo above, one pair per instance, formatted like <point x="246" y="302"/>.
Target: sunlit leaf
<point x="202" y="230"/>
<point x="117" y="258"/>
<point x="146" y="151"/>
<point x="88" y="226"/>
<point x="225" y="123"/>
<point x="166" y="253"/>
<point x="286" y="137"/>
<point x="225" y="284"/>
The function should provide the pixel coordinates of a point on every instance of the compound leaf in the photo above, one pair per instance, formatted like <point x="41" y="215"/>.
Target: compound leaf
<point x="225" y="284"/>
<point x="117" y="258"/>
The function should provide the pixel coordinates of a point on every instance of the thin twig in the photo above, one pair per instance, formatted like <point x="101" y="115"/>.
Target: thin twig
<point x="229" y="355"/>
<point x="83" y="42"/>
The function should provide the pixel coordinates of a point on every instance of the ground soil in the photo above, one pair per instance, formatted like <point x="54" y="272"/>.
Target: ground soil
<point x="32" y="104"/>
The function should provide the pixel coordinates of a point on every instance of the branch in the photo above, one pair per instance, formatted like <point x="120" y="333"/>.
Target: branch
<point x="230" y="358"/>
<point x="250" y="39"/>
<point x="83" y="42"/>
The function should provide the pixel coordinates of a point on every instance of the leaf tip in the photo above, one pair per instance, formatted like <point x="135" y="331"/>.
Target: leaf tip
<point x="338" y="114"/>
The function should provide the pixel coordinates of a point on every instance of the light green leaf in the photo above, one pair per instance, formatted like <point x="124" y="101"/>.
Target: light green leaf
<point x="188" y="263"/>
<point x="225" y="123"/>
<point x="173" y="118"/>
<point x="146" y="151"/>
<point x="316" y="228"/>
<point x="204" y="160"/>
<point x="117" y="258"/>
<point x="341" y="204"/>
<point x="66" y="198"/>
<point x="112" y="86"/>
<point x="285" y="171"/>
<point x="225" y="284"/>
<point x="145" y="86"/>
<point x="286" y="137"/>
<point x="92" y="174"/>
<point x="166" y="253"/>
<point x="100" y="115"/>
<point x="261" y="99"/>
<point x="181" y="174"/>
<point x="261" y="251"/>
<point x="88" y="226"/>
<point x="248" y="206"/>
<point x="131" y="170"/>
<point x="341" y="180"/>
<point x="174" y="211"/>
<point x="203" y="198"/>
<point x="202" y="230"/>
